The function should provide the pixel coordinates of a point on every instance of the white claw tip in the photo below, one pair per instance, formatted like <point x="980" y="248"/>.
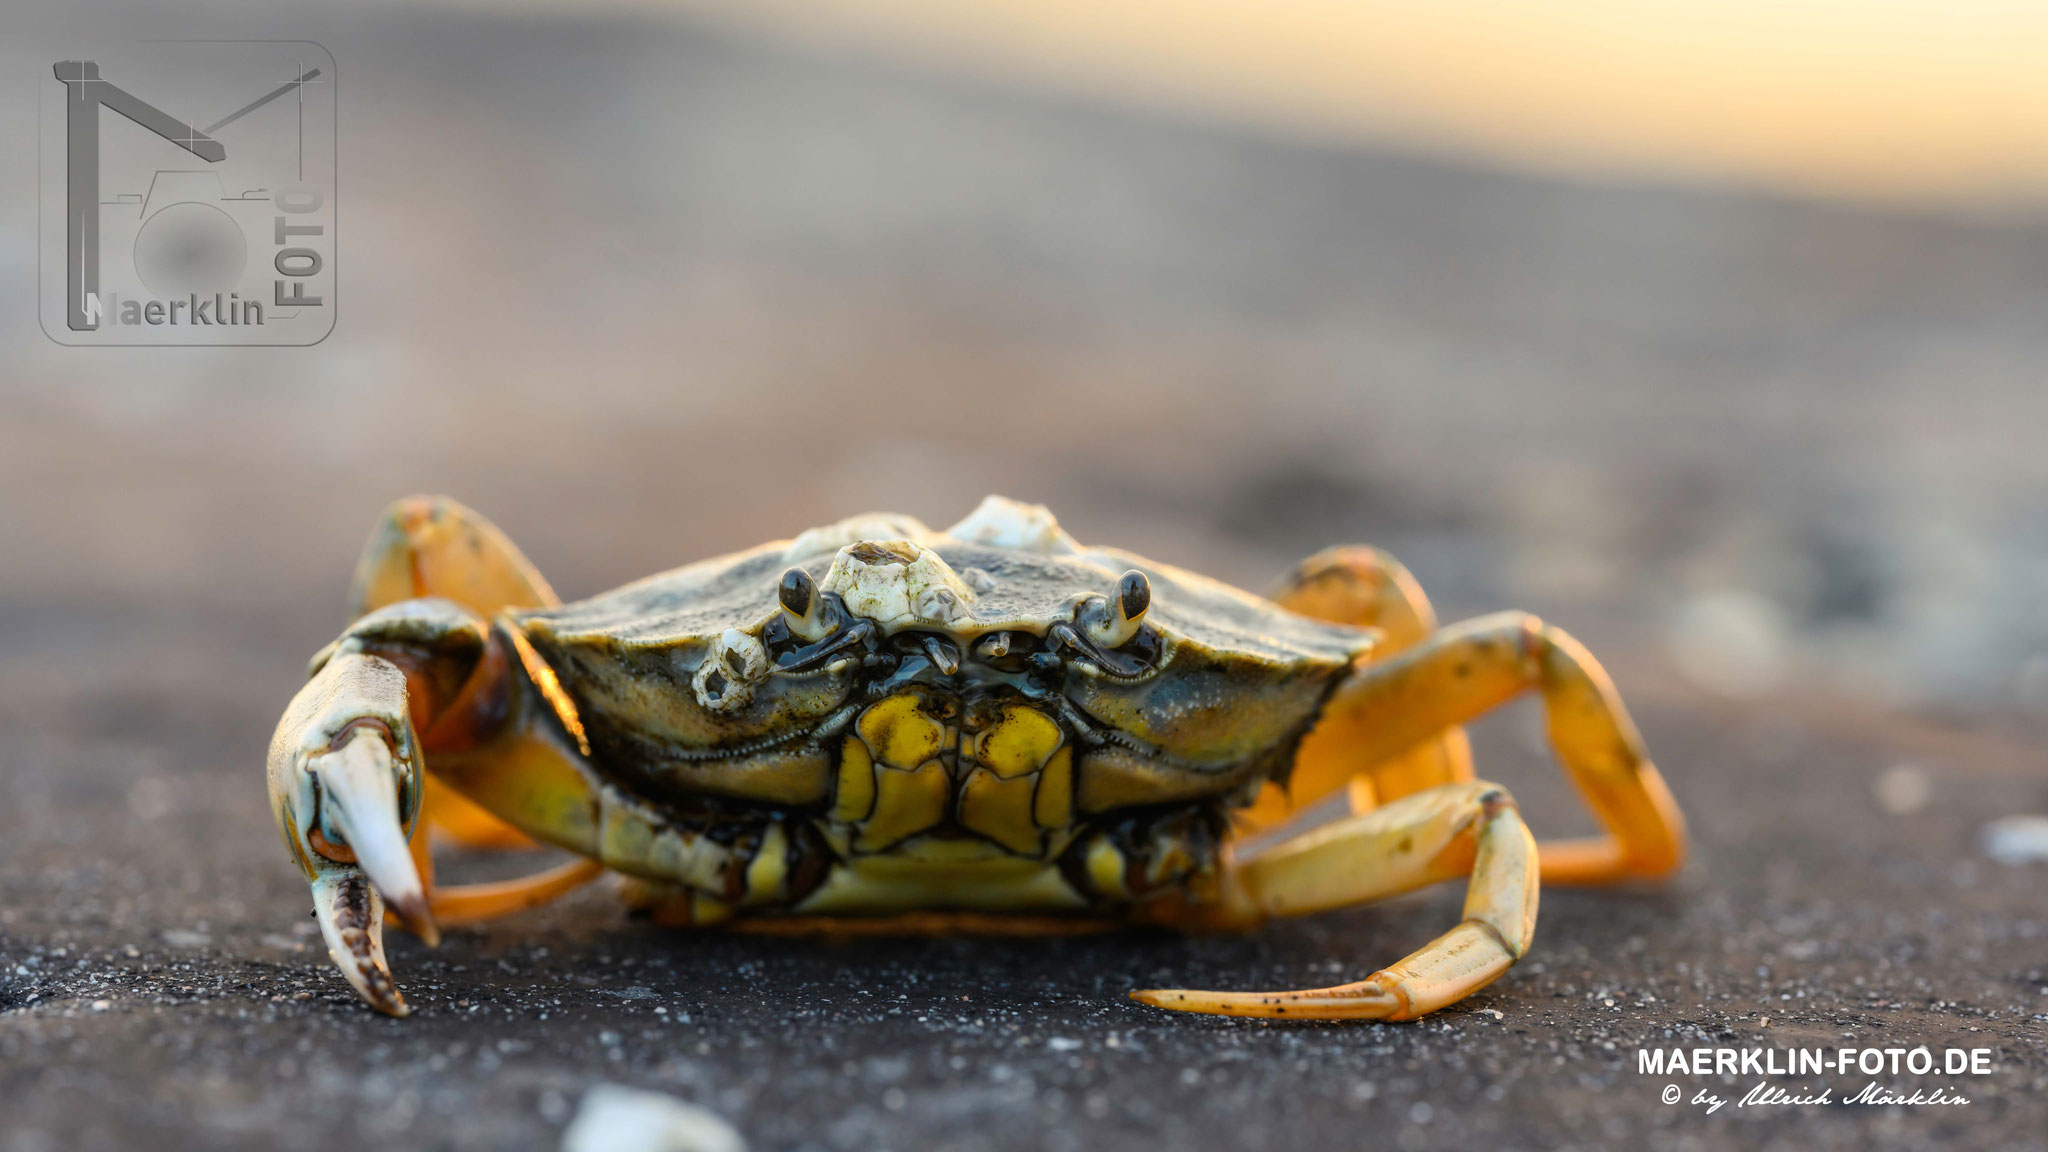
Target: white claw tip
<point x="360" y="790"/>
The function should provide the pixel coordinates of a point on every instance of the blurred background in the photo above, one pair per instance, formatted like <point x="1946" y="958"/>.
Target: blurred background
<point x="1716" y="333"/>
<point x="1720" y="332"/>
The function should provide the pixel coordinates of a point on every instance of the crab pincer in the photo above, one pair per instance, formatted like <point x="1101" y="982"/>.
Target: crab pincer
<point x="345" y="788"/>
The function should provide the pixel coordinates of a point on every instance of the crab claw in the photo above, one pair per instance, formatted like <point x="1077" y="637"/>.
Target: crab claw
<point x="361" y="823"/>
<point x="344" y="786"/>
<point x="351" y="916"/>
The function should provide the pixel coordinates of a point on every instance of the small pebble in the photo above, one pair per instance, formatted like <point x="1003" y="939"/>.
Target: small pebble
<point x="616" y="1119"/>
<point x="1903" y="790"/>
<point x="2016" y="839"/>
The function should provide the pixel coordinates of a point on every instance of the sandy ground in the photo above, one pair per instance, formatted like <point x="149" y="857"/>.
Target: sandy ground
<point x="668" y="294"/>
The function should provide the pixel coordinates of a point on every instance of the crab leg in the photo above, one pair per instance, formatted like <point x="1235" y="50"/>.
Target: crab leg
<point x="1371" y="589"/>
<point x="431" y="546"/>
<point x="1387" y="708"/>
<point x="344" y="786"/>
<point x="475" y="903"/>
<point x="434" y="546"/>
<point x="1454" y="830"/>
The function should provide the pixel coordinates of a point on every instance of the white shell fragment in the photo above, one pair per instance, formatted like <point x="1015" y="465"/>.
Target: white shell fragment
<point x="1005" y="523"/>
<point x="734" y="664"/>
<point x="616" y="1119"/>
<point x="898" y="584"/>
<point x="2016" y="839"/>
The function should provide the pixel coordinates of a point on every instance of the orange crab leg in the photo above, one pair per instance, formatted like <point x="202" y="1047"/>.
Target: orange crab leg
<point x="1385" y="709"/>
<point x="433" y="546"/>
<point x="473" y="903"/>
<point x="1368" y="588"/>
<point x="1454" y="830"/>
<point x="476" y="903"/>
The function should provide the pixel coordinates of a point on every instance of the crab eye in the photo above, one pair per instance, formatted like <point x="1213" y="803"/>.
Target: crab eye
<point x="1134" y="595"/>
<point x="801" y="602"/>
<point x="1125" y="611"/>
<point x="797" y="592"/>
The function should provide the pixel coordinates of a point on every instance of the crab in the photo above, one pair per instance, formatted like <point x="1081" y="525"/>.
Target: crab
<point x="991" y="729"/>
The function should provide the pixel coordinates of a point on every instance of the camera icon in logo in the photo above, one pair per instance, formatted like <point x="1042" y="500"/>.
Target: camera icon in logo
<point x="188" y="243"/>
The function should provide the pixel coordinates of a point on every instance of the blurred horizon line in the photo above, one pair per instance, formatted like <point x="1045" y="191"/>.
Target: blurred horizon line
<point x="1908" y="103"/>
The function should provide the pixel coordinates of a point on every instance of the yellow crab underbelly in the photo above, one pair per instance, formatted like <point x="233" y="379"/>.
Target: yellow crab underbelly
<point x="939" y="809"/>
<point x="919" y="879"/>
<point x="910" y="769"/>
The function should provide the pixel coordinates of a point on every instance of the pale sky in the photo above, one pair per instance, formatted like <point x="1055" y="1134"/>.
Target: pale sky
<point x="1915" y="100"/>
